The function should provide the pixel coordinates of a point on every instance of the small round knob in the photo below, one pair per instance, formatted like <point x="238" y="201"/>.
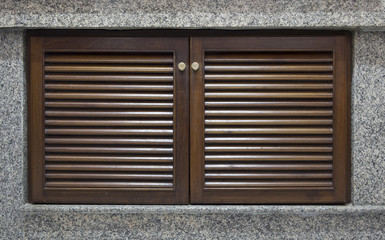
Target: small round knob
<point x="182" y="66"/>
<point x="195" y="66"/>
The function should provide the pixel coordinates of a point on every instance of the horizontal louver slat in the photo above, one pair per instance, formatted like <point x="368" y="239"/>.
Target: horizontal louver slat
<point x="261" y="86"/>
<point x="265" y="57"/>
<point x="265" y="140"/>
<point x="112" y="96"/>
<point x="79" y="104"/>
<point x="101" y="140"/>
<point x="99" y="184"/>
<point x="280" y="103"/>
<point x="107" y="158"/>
<point x="268" y="130"/>
<point x="269" y="166"/>
<point x="268" y="68"/>
<point x="266" y="158"/>
<point x="107" y="176"/>
<point x="108" y="123"/>
<point x="267" y="149"/>
<point x="263" y="175"/>
<point x="105" y="114"/>
<point x="279" y="184"/>
<point x="108" y="78"/>
<point x="154" y="150"/>
<point x="109" y="167"/>
<point x="120" y="69"/>
<point x="296" y="95"/>
<point x="268" y="122"/>
<point x="267" y="77"/>
<point x="107" y="87"/>
<point x="110" y="58"/>
<point x="277" y="113"/>
<point x="111" y="132"/>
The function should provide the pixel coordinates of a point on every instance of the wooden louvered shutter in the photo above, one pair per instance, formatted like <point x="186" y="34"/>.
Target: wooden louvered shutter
<point x="270" y="119"/>
<point x="108" y="120"/>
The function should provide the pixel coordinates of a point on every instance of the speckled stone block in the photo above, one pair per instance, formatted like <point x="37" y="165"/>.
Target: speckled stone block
<point x="368" y="118"/>
<point x="12" y="119"/>
<point x="216" y="222"/>
<point x="10" y="224"/>
<point x="12" y="133"/>
<point x="193" y="13"/>
<point x="12" y="80"/>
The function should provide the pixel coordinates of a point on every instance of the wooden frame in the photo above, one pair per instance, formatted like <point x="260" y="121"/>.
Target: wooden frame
<point x="340" y="192"/>
<point x="189" y="112"/>
<point x="41" y="194"/>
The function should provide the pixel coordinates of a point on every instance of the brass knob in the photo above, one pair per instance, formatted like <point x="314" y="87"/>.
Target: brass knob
<point x="195" y="66"/>
<point x="182" y="66"/>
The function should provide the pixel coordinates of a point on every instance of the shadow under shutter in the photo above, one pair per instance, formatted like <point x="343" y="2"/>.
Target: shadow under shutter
<point x="109" y="125"/>
<point x="269" y="120"/>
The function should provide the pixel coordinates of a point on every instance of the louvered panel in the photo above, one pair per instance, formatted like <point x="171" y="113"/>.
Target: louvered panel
<point x="109" y="120"/>
<point x="268" y="120"/>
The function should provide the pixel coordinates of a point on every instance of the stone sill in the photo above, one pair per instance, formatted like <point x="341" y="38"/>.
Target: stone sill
<point x="299" y="210"/>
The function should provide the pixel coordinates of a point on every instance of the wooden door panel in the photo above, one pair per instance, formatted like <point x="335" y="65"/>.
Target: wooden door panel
<point x="113" y="120"/>
<point x="263" y="121"/>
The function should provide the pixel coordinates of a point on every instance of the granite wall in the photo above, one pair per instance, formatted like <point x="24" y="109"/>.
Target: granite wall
<point x="363" y="219"/>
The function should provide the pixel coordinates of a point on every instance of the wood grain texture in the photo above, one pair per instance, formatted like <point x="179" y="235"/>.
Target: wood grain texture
<point x="109" y="78"/>
<point x="112" y="120"/>
<point x="36" y="120"/>
<point x="265" y="119"/>
<point x="269" y="111"/>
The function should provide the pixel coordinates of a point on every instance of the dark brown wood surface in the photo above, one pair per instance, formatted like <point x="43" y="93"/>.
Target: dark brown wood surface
<point x="270" y="119"/>
<point x="109" y="120"/>
<point x="264" y="120"/>
<point x="36" y="146"/>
